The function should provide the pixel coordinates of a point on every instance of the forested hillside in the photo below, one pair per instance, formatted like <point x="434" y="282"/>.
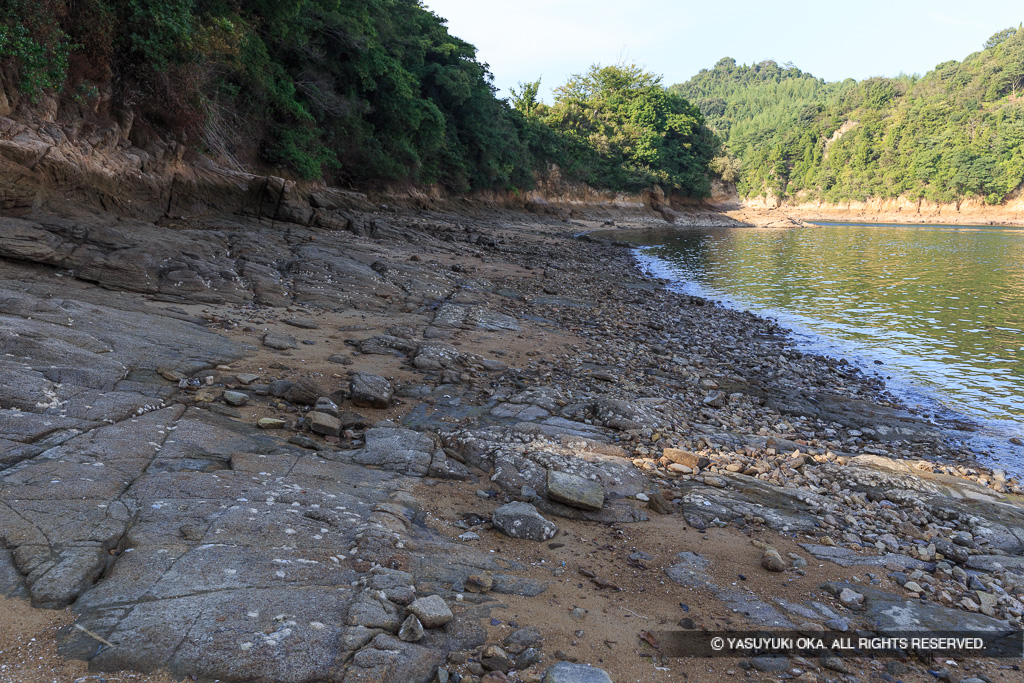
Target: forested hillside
<point x="955" y="133"/>
<point x="352" y="91"/>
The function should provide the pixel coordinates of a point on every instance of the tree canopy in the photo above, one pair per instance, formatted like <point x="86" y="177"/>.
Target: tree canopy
<point x="354" y="91"/>
<point x="957" y="132"/>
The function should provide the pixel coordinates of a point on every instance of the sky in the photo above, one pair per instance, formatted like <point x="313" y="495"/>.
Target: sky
<point x="522" y="40"/>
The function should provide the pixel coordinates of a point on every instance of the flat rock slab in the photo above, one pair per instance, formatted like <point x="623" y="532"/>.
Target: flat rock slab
<point x="886" y="613"/>
<point x="473" y="317"/>
<point x="782" y="509"/>
<point x="845" y="557"/>
<point x="575" y="491"/>
<point x="690" y="569"/>
<point x="568" y="672"/>
<point x="279" y="342"/>
<point x="988" y="563"/>
<point x="193" y="542"/>
<point x="301" y="323"/>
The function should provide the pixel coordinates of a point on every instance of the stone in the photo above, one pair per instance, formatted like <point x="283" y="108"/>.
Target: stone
<point x="521" y="520"/>
<point x="398" y="450"/>
<point x="352" y="420"/>
<point x="494" y="658"/>
<point x="523" y="638"/>
<point x="432" y="611"/>
<point x="845" y="557"/>
<point x="301" y="323"/>
<point x="235" y="398"/>
<point x="279" y="387"/>
<point x="304" y="392"/>
<point x="369" y="611"/>
<point x="170" y="374"/>
<point x="279" y="342"/>
<point x="323" y="423"/>
<point x="951" y="551"/>
<point x="326" y="405"/>
<point x="411" y="629"/>
<point x="271" y="423"/>
<point x="658" y="503"/>
<point x="851" y="598"/>
<point x="891" y="614"/>
<point x="692" y="461"/>
<point x="830" y="661"/>
<point x="772" y="561"/>
<point x="715" y="399"/>
<point x="689" y="569"/>
<point x="568" y="672"/>
<point x="246" y="378"/>
<point x="369" y="390"/>
<point x="574" y="491"/>
<point x="769" y="663"/>
<point x="479" y="583"/>
<point x="303" y="441"/>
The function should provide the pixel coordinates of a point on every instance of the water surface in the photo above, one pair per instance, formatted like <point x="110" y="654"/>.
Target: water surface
<point x="942" y="307"/>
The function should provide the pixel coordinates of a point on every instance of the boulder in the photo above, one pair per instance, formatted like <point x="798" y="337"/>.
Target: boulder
<point x="432" y="611"/>
<point x="323" y="423"/>
<point x="235" y="398"/>
<point x="575" y="491"/>
<point x="372" y="391"/>
<point x="521" y="520"/>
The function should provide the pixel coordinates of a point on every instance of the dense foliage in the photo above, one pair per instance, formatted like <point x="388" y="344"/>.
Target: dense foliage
<point x="957" y="132"/>
<point x="623" y="129"/>
<point x="358" y="91"/>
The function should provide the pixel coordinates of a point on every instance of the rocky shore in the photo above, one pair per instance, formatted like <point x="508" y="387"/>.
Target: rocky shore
<point x="339" y="442"/>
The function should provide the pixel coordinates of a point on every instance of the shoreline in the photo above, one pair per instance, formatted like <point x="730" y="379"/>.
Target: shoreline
<point x="976" y="428"/>
<point x="757" y="214"/>
<point x="513" y="349"/>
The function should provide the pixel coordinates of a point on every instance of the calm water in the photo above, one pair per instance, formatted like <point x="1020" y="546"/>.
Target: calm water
<point x="941" y="306"/>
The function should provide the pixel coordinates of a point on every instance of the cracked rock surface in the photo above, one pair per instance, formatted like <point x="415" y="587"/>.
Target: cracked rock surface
<point x="231" y="445"/>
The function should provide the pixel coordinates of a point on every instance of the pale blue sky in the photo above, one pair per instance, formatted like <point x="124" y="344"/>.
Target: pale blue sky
<point x="524" y="39"/>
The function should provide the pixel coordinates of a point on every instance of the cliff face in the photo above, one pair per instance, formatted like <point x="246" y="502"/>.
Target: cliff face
<point x="899" y="210"/>
<point x="103" y="158"/>
<point x="903" y="210"/>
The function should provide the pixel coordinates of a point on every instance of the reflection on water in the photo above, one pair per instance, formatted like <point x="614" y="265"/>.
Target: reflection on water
<point x="941" y="306"/>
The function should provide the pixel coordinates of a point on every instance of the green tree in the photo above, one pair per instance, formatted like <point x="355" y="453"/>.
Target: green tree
<point x="526" y="99"/>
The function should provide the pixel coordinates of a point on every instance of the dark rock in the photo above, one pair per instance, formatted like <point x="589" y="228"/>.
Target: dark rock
<point x="279" y="387"/>
<point x="323" y="423"/>
<point x="303" y="392"/>
<point x="302" y="323"/>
